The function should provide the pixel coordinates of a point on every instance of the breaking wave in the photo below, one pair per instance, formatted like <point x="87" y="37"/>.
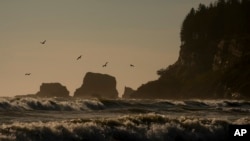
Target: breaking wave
<point x="53" y="104"/>
<point x="146" y="127"/>
<point x="70" y="119"/>
<point x="71" y="104"/>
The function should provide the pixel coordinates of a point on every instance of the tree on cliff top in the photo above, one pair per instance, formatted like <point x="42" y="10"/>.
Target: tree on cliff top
<point x="219" y="20"/>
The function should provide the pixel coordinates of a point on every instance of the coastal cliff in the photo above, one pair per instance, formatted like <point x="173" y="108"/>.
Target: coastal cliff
<point x="214" y="56"/>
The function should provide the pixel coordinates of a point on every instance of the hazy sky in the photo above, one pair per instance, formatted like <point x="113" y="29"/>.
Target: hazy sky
<point x="122" y="32"/>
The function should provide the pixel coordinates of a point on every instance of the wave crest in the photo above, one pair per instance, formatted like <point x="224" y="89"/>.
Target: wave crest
<point x="149" y="127"/>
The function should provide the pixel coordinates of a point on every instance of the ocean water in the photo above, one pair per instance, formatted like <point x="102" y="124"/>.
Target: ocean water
<point x="60" y="119"/>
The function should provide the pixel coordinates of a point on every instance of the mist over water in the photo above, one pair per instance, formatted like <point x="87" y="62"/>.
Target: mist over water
<point x="62" y="119"/>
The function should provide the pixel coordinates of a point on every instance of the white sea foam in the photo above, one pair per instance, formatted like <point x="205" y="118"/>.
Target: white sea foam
<point x="41" y="119"/>
<point x="137" y="127"/>
<point x="48" y="104"/>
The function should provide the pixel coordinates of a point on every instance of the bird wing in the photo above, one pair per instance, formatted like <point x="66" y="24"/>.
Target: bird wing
<point x="79" y="57"/>
<point x="43" y="42"/>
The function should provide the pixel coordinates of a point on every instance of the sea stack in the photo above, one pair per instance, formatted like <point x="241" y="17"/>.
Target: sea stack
<point x="97" y="85"/>
<point x="52" y="90"/>
<point x="127" y="92"/>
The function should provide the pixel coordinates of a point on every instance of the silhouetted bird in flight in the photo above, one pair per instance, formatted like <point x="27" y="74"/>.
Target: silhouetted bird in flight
<point x="105" y="65"/>
<point x="131" y="65"/>
<point x="79" y="57"/>
<point x="27" y="73"/>
<point x="43" y="42"/>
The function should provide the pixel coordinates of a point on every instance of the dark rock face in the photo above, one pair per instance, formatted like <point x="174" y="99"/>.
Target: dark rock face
<point x="222" y="72"/>
<point x="127" y="92"/>
<point x="52" y="90"/>
<point x="213" y="61"/>
<point x="97" y="85"/>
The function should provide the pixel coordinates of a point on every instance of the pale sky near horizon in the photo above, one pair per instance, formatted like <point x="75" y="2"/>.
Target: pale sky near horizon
<point x="144" y="33"/>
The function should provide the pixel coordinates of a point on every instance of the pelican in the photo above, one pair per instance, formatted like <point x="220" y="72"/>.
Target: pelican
<point x="43" y="42"/>
<point x="105" y="64"/>
<point x="79" y="57"/>
<point x="27" y="73"/>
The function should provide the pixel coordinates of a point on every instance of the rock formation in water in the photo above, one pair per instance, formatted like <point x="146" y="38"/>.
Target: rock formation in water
<point x="52" y="90"/>
<point x="127" y="92"/>
<point x="214" y="56"/>
<point x="97" y="85"/>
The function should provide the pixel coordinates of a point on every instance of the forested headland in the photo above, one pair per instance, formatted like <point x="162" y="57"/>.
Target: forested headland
<point x="214" y="56"/>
